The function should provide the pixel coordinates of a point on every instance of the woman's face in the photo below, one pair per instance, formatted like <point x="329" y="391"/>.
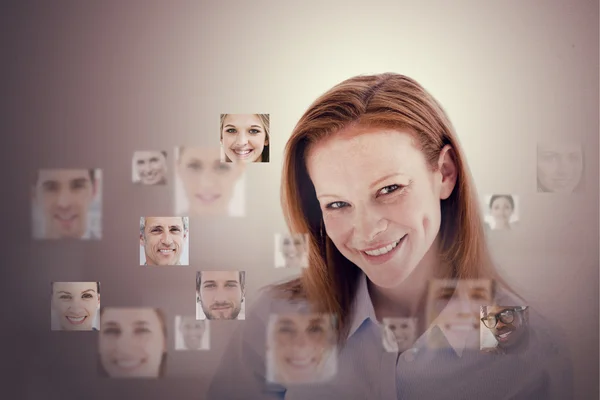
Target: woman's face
<point x="300" y="346"/>
<point x="559" y="167"/>
<point x="75" y="304"/>
<point x="380" y="201"/>
<point x="401" y="331"/>
<point x="132" y="342"/>
<point x="208" y="183"/>
<point x="501" y="210"/>
<point x="292" y="246"/>
<point x="243" y="137"/>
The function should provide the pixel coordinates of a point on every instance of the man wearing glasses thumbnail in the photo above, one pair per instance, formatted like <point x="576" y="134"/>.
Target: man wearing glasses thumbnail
<point x="509" y="325"/>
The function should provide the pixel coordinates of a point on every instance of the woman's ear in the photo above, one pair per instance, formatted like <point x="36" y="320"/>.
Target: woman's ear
<point x="448" y="170"/>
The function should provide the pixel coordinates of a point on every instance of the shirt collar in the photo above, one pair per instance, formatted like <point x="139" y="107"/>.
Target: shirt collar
<point x="362" y="308"/>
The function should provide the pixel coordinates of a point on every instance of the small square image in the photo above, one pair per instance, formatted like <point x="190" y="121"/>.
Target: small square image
<point x="245" y="138"/>
<point x="75" y="306"/>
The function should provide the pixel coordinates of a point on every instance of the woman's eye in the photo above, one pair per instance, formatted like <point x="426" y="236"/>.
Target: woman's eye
<point x="111" y="331"/>
<point x="65" y="297"/>
<point x="142" y="330"/>
<point x="389" y="189"/>
<point x="316" y="329"/>
<point x="230" y="130"/>
<point x="336" y="205"/>
<point x="195" y="166"/>
<point x="254" y="131"/>
<point x="87" y="296"/>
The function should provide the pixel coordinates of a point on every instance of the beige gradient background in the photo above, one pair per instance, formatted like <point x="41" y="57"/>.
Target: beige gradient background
<point x="88" y="83"/>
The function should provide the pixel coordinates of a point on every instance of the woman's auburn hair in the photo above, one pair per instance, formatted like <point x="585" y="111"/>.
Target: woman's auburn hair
<point x="391" y="101"/>
<point x="264" y="120"/>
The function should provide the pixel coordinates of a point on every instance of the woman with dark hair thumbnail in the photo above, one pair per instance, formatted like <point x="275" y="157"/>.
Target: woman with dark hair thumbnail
<point x="133" y="343"/>
<point x="374" y="172"/>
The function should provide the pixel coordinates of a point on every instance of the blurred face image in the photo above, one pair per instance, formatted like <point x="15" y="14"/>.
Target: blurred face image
<point x="163" y="240"/>
<point x="192" y="331"/>
<point x="501" y="211"/>
<point x="559" y="167"/>
<point x="221" y="294"/>
<point x="400" y="331"/>
<point x="151" y="167"/>
<point x="75" y="304"/>
<point x="243" y="137"/>
<point x="64" y="197"/>
<point x="208" y="183"/>
<point x="293" y="249"/>
<point x="380" y="200"/>
<point x="300" y="345"/>
<point x="132" y="342"/>
<point x="507" y="324"/>
<point x="454" y="306"/>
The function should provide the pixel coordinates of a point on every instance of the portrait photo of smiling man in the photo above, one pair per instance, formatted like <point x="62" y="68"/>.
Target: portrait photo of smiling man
<point x="150" y="167"/>
<point x="66" y="204"/>
<point x="164" y="241"/>
<point x="509" y="326"/>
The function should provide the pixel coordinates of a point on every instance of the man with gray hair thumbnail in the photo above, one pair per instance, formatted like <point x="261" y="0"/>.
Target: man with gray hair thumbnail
<point x="163" y="239"/>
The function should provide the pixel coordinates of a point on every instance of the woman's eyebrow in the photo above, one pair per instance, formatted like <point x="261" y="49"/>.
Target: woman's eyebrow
<point x="285" y="321"/>
<point x="378" y="181"/>
<point x="63" y="291"/>
<point x="233" y="126"/>
<point x="88" y="290"/>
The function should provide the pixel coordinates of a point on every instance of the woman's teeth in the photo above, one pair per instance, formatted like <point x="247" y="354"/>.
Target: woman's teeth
<point x="243" y="152"/>
<point x="383" y="250"/>
<point x="76" y="320"/>
<point x="169" y="251"/>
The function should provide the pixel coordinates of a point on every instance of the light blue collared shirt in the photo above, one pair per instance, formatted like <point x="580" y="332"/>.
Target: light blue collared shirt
<point x="366" y="371"/>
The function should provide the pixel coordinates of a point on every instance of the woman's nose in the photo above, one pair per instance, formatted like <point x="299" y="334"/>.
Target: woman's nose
<point x="368" y="225"/>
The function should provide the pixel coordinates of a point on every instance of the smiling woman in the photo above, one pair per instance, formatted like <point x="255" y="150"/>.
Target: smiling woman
<point x="75" y="305"/>
<point x="376" y="176"/>
<point x="132" y="343"/>
<point x="245" y="137"/>
<point x="205" y="185"/>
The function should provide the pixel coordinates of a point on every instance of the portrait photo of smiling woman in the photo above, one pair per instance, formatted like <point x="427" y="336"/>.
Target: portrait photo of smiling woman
<point x="560" y="167"/>
<point x="501" y="211"/>
<point x="75" y="306"/>
<point x="132" y="343"/>
<point x="291" y="250"/>
<point x="301" y="348"/>
<point x="205" y="186"/>
<point x="245" y="138"/>
<point x="375" y="174"/>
